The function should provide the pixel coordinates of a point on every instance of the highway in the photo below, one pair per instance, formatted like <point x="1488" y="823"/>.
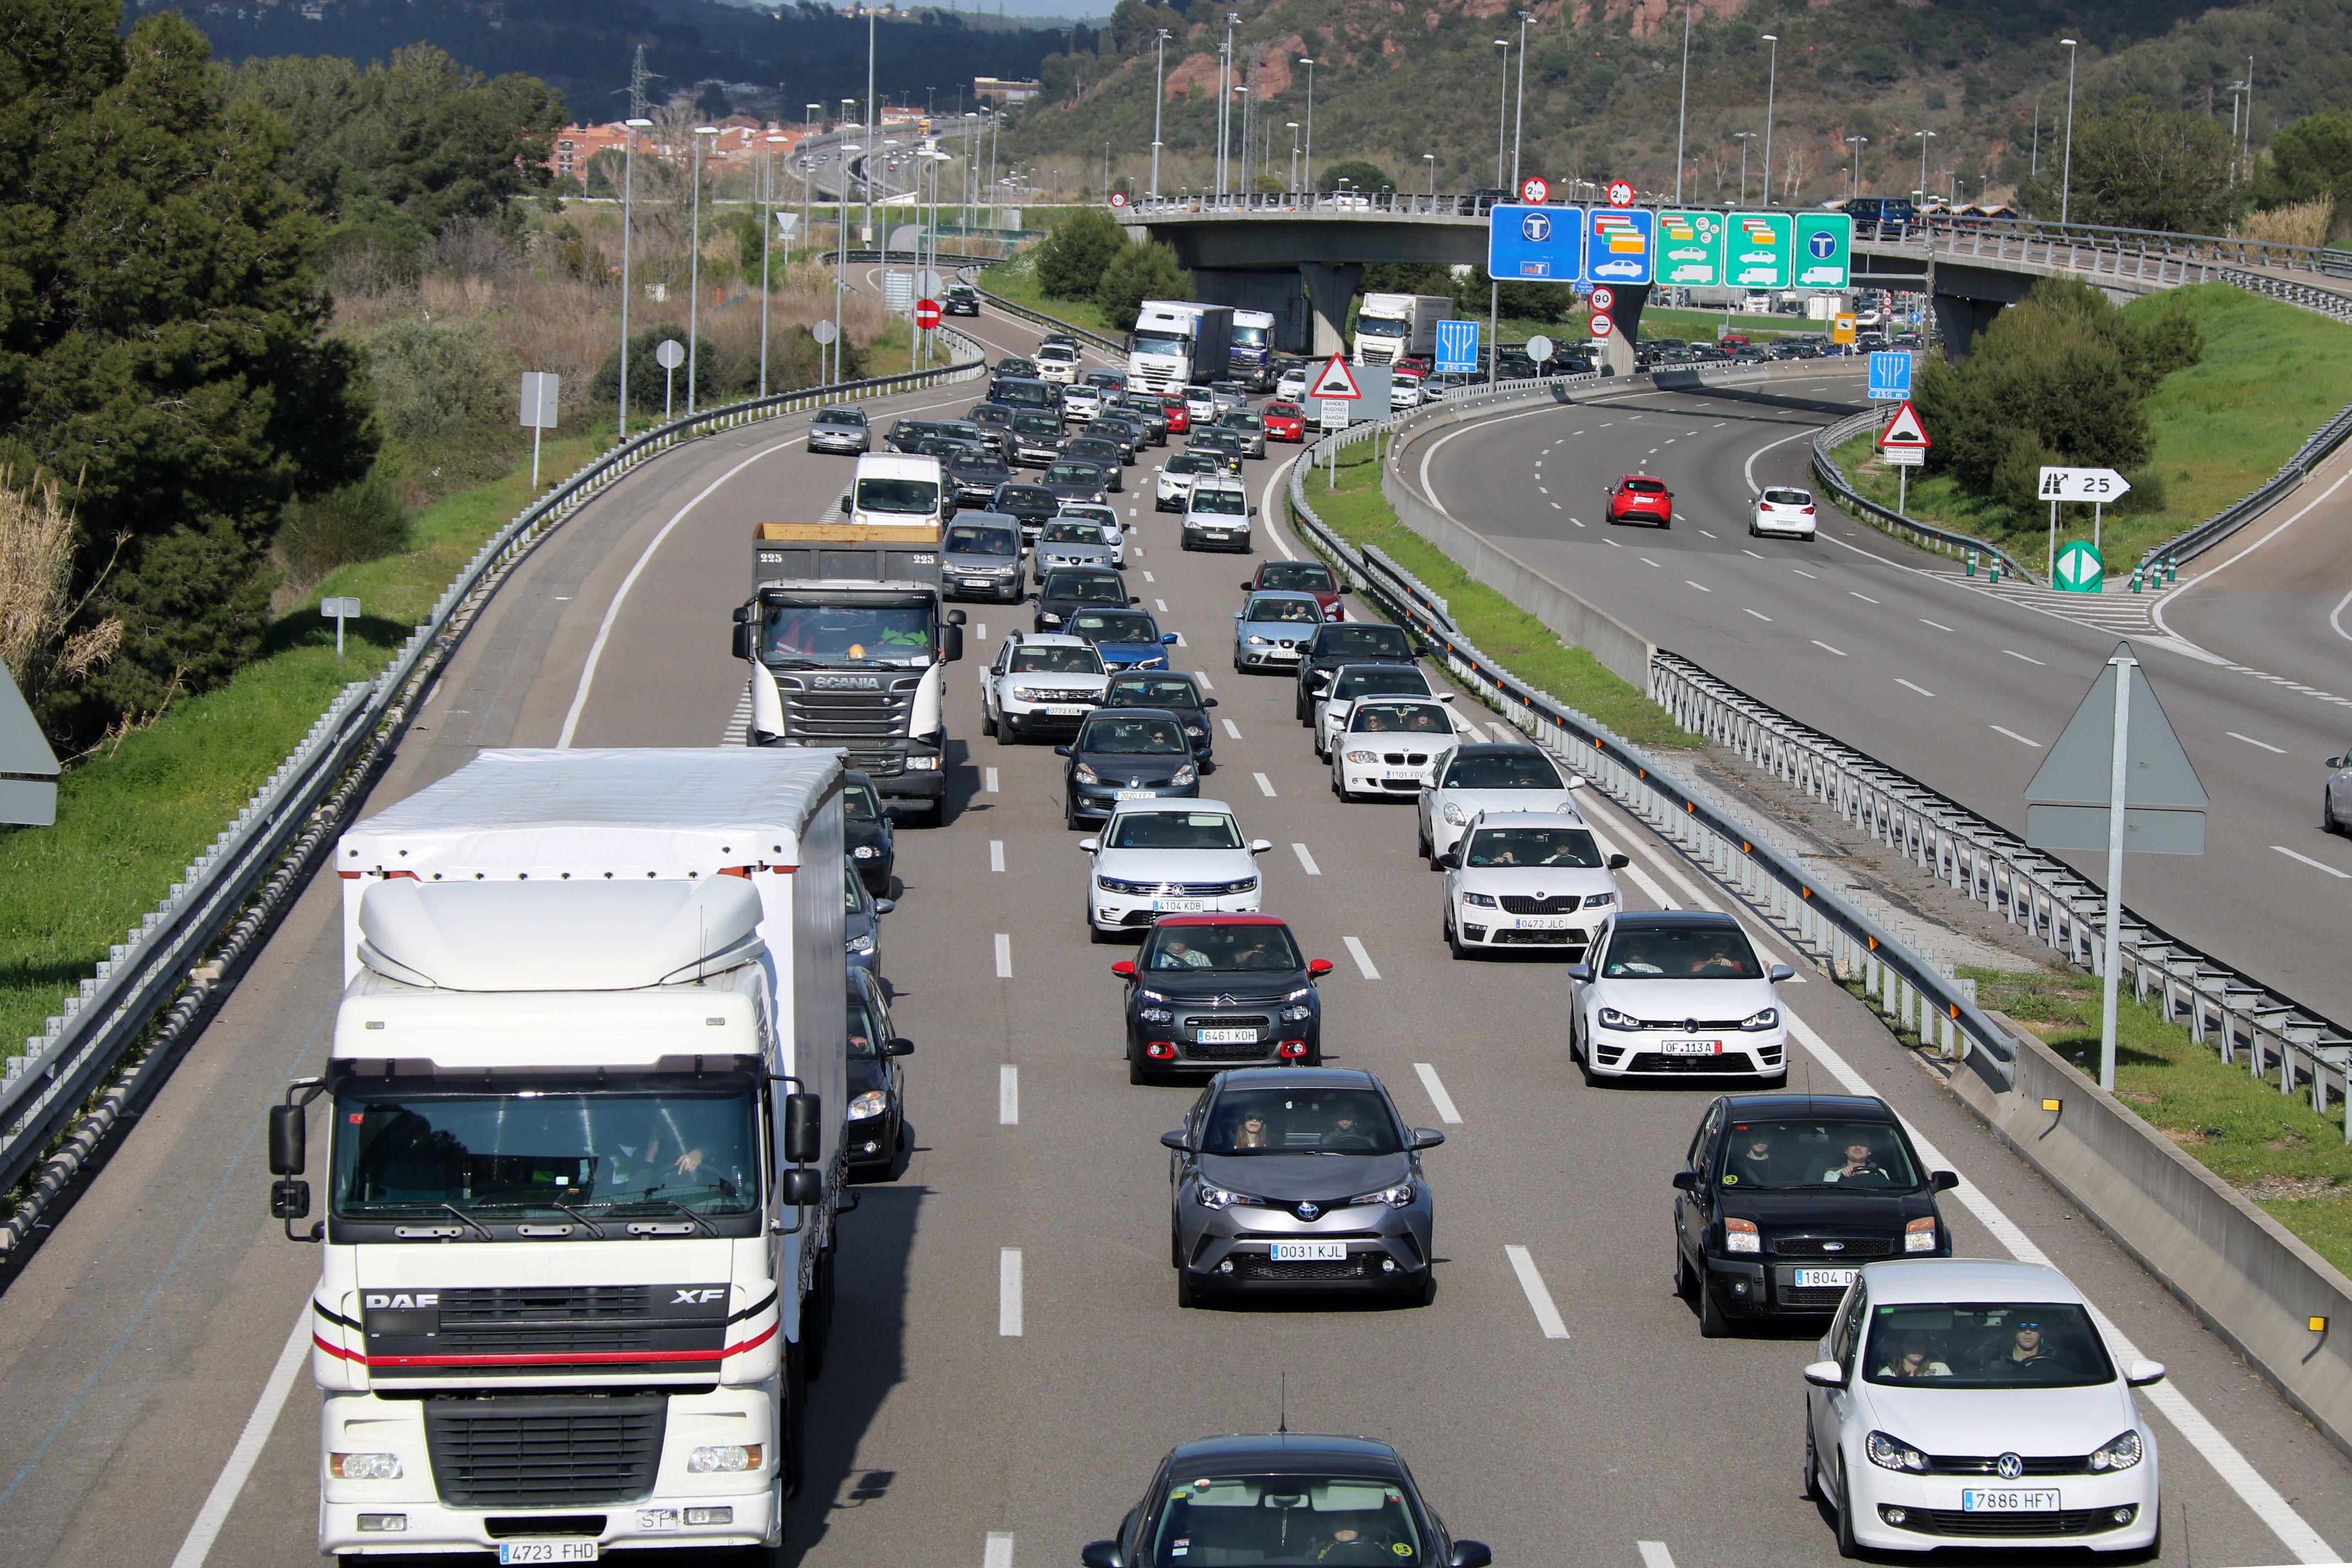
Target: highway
<point x="1892" y="650"/>
<point x="1010" y="1358"/>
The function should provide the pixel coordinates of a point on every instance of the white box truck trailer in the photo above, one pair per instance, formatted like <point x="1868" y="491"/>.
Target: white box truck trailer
<point x="1389" y="327"/>
<point x="1177" y="343"/>
<point x="584" y="1154"/>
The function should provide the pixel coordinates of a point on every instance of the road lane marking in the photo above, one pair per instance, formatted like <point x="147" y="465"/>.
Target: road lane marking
<point x="2249" y="740"/>
<point x="1233" y="731"/>
<point x="988" y="786"/>
<point x="197" y="1545"/>
<point x="1920" y="690"/>
<point x="1654" y="1554"/>
<point x="1004" y="955"/>
<point x="996" y="854"/>
<point x="1008" y="1096"/>
<point x="2026" y="657"/>
<point x="2015" y="736"/>
<point x="2307" y="861"/>
<point x="1700" y="587"/>
<point x="1159" y="604"/>
<point x="1937" y="624"/>
<point x="1363" y="960"/>
<point x="1541" y="491"/>
<point x="1547" y="1316"/>
<point x="1306" y="862"/>
<point x="1008" y="1300"/>
<point x="1803" y="573"/>
<point x="998" y="1552"/>
<point x="1709" y="535"/>
<point x="1202" y="676"/>
<point x="1647" y="561"/>
<point x="1839" y="651"/>
<point x="1751" y="552"/>
<point x="983" y="631"/>
<point x="1446" y="1110"/>
<point x="1578" y="520"/>
<point x="1147" y="576"/>
<point x="1614" y="546"/>
<point x="1264" y="785"/>
<point x="1758" y="614"/>
<point x="1864" y="598"/>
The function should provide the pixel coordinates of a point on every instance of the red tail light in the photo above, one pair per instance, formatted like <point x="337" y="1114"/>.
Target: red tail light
<point x="1161" y="1050"/>
<point x="1809" y="511"/>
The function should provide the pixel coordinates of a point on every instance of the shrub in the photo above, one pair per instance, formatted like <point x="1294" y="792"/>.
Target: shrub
<point x="1140" y="273"/>
<point x="1072" y="259"/>
<point x="365" y="521"/>
<point x="445" y="398"/>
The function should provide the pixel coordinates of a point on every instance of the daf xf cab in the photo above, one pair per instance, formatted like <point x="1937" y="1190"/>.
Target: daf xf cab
<point x="1391" y="327"/>
<point x="1178" y="344"/>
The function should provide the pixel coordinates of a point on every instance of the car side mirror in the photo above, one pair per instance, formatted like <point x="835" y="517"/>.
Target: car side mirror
<point x="1124" y="969"/>
<point x="1061" y="750"/>
<point x="1619" y="862"/>
<point x="1427" y="1138"/>
<point x="1134" y="599"/>
<point x="1825" y="1374"/>
<point x="1342" y="590"/>
<point x="1252" y="511"/>
<point x="1451" y="859"/>
<point x="1447" y="696"/>
<point x="1318" y="968"/>
<point x="2335" y="762"/>
<point x="844" y="506"/>
<point x="1780" y="972"/>
<point x="1173" y="1139"/>
<point x="1575" y="781"/>
<point x="1943" y="1181"/>
<point x="1580" y="971"/>
<point x="1260" y="846"/>
<point x="1168" y="639"/>
<point x="884" y="906"/>
<point x="1089" y="844"/>
<point x="1685" y="1181"/>
<point x="2141" y="1374"/>
<point x="901" y="1047"/>
<point x="1252" y="587"/>
<point x="1470" y="1554"/>
<point x="1208" y="702"/>
<point x="1100" y="1555"/>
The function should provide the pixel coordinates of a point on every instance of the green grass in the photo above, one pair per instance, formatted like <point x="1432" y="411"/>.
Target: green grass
<point x="1358" y="512"/>
<point x="2269" y="1146"/>
<point x="1017" y="280"/>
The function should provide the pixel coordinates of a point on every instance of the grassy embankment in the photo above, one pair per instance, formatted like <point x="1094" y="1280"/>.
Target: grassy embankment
<point x="1017" y="280"/>
<point x="2271" y="374"/>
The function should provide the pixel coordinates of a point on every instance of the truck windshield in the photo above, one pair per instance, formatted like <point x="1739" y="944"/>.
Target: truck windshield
<point x="915" y="496"/>
<point x="1249" y="337"/>
<point x="848" y="633"/>
<point x="1162" y="344"/>
<point x="1379" y="327"/>
<point x="404" y="1153"/>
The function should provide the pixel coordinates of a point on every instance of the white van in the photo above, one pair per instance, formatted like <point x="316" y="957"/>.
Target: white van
<point x="1217" y="514"/>
<point x="1058" y="362"/>
<point x="899" y="489"/>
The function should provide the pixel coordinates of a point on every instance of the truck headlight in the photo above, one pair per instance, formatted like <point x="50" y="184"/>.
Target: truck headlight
<point x="872" y="1103"/>
<point x="920" y="765"/>
<point x="723" y="1460"/>
<point x="363" y="1467"/>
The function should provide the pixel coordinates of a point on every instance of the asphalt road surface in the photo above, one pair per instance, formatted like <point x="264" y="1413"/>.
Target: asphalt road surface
<point x="1567" y="1411"/>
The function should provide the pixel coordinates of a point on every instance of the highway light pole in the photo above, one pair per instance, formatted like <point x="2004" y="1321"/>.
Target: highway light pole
<point x="2066" y="179"/>
<point x="767" y="245"/>
<point x="869" y="122"/>
<point x="1857" y="143"/>
<point x="1292" y="126"/>
<point x="1681" y="115"/>
<point x="1520" y="119"/>
<point x="1924" y="136"/>
<point x="1431" y="159"/>
<point x="1159" y="97"/>
<point x="694" y="266"/>
<point x="1501" y="106"/>
<point x="628" y="189"/>
<point x="840" y="245"/>
<point x="1772" y="80"/>
<point x="1743" y="138"/>
<point x="1310" y="121"/>
<point x="1225" y="106"/>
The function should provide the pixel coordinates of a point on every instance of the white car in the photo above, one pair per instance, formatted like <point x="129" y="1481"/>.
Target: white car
<point x="1404" y="391"/>
<point x="1528" y="879"/>
<point x="1106" y="516"/>
<point x="1217" y="513"/>
<point x="1040" y="683"/>
<point x="1168" y="857"/>
<point x="1201" y="405"/>
<point x="1058" y="362"/>
<point x="1350" y="681"/>
<point x="1963" y="1401"/>
<point x="1782" y="509"/>
<point x="1485" y="778"/>
<point x="1080" y="404"/>
<point x="1291" y="385"/>
<point x="1177" y="476"/>
<point x="1390" y="745"/>
<point x="1668" y="993"/>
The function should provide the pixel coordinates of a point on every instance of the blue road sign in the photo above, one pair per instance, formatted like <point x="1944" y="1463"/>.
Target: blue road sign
<point x="1890" y="377"/>
<point x="1457" y="346"/>
<point x="1536" y="245"/>
<point x="1622" y="246"/>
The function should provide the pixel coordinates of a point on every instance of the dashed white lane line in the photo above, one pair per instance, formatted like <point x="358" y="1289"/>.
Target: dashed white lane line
<point x="1803" y="573"/>
<point x="1839" y="651"/>
<point x="1937" y="624"/>
<point x="1758" y="614"/>
<point x="1363" y="960"/>
<point x="2319" y="865"/>
<point x="1004" y="955"/>
<point x="1541" y="491"/>
<point x="1614" y="546"/>
<point x="1654" y="1554"/>
<point x="1864" y="598"/>
<point x="1008" y="1096"/>
<point x="1709" y="535"/>
<point x="1446" y="1111"/>
<point x="2026" y="657"/>
<point x="1578" y="520"/>
<point x="1647" y="561"/>
<point x="1202" y="676"/>
<point x="1160" y="606"/>
<point x="1233" y="731"/>
<point x="1556" y="507"/>
<point x="996" y="854"/>
<point x="2015" y="736"/>
<point x="1700" y="587"/>
<point x="983" y="630"/>
<point x="2249" y="740"/>
<point x="1547" y="1316"/>
<point x="1008" y="1306"/>
<point x="1147" y="576"/>
<point x="1306" y="862"/>
<point x="1751" y="552"/>
<point x="998" y="1552"/>
<point x="1264" y="785"/>
<point x="1920" y="690"/>
<point x="987" y="780"/>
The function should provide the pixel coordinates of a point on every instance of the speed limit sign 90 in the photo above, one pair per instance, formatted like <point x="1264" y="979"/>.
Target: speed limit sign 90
<point x="1604" y="298"/>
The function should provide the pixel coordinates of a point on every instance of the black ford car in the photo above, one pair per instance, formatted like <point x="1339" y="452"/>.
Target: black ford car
<point x="1345" y="642"/>
<point x="866" y="836"/>
<point x="1212" y="992"/>
<point x="1782" y="1197"/>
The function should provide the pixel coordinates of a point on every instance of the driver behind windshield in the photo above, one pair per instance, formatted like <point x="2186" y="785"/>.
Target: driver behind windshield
<point x="1133" y="737"/>
<point x="1288" y="1121"/>
<point x="1084" y="590"/>
<point x="1221" y="947"/>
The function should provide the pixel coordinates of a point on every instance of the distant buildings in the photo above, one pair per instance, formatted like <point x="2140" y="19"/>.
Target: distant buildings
<point x="740" y="140"/>
<point x="1000" y="92"/>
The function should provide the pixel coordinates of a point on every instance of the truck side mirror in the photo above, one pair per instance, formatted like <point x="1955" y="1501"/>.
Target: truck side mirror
<point x="952" y="645"/>
<point x="801" y="1188"/>
<point x="742" y="644"/>
<point x="804" y="1134"/>
<point x="288" y="1133"/>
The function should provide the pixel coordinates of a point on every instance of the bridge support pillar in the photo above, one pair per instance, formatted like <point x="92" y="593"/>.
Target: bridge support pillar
<point x="1330" y="287"/>
<point x="1959" y="320"/>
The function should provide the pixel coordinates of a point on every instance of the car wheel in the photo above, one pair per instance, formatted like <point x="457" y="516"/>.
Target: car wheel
<point x="1422" y="847"/>
<point x="1070" y="817"/>
<point x="1847" y="1545"/>
<point x="1453" y="940"/>
<point x="1096" y="934"/>
<point x="1712" y="1323"/>
<point x="1188" y="1294"/>
<point x="1175" y="1244"/>
<point x="1424" y="1294"/>
<point x="1135" y="1071"/>
<point x="1684" y="1281"/>
<point x="2327" y="823"/>
<point x="987" y="721"/>
<point x="1812" y="1488"/>
<point x="1582" y="1056"/>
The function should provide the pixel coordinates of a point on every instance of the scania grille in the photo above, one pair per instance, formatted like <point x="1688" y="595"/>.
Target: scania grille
<point x="508" y="1451"/>
<point x="845" y="718"/>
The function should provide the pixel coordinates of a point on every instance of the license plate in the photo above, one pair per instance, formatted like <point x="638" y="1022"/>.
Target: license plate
<point x="1135" y="794"/>
<point x="1404" y="773"/>
<point x="1310" y="1251"/>
<point x="1182" y="906"/>
<point x="1973" y="1501"/>
<point x="1226" y="1036"/>
<point x="1065" y="710"/>
<point x="1811" y="1278"/>
<point x="1691" y="1048"/>
<point x="978" y="583"/>
<point x="546" y="1552"/>
<point x="1543" y="922"/>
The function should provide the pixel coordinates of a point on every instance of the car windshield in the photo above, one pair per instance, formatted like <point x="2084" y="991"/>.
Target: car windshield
<point x="1028" y="495"/>
<point x="1130" y="626"/>
<point x="1282" y="411"/>
<point x="858" y="803"/>
<point x="864" y="1027"/>
<point x="1682" y="952"/>
<point x="1299" y="576"/>
<point x="1983" y="1344"/>
<point x="961" y="429"/>
<point x="1285" y="1522"/>
<point x="1243" y="419"/>
<point x="834" y="634"/>
<point x="1774" y="1155"/>
<point x="1071" y="533"/>
<point x="1172" y="830"/>
<point x="1073" y="474"/>
<point x="401" y="1151"/>
<point x="1094" y="448"/>
<point x="1191" y="463"/>
<point x="1304" y="611"/>
<point x="1028" y="394"/>
<point x="1221" y="502"/>
<point x="1161" y="343"/>
<point x="917" y="497"/>
<point x="1788" y="498"/>
<point x="1057" y="658"/>
<point x="1358" y="638"/>
<point x="841" y="416"/>
<point x="1524" y="768"/>
<point x="1055" y="353"/>
<point x="1036" y="425"/>
<point x="1084" y="588"/>
<point x="983" y="542"/>
<point x="1133" y="735"/>
<point x="1399" y="718"/>
<point x="1292" y="1121"/>
<point x="1151" y="691"/>
<point x="1101" y="516"/>
<point x="1382" y="680"/>
<point x="1532" y="846"/>
<point x="1254" y="947"/>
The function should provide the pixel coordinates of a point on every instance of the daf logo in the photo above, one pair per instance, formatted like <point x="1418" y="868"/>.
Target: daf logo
<point x="402" y="1301"/>
<point x="701" y="1296"/>
<point x="1536" y="228"/>
<point x="1309" y="1211"/>
<point x="2009" y="1467"/>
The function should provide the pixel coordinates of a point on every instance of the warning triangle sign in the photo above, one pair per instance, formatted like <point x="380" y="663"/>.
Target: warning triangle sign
<point x="1336" y="382"/>
<point x="1904" y="429"/>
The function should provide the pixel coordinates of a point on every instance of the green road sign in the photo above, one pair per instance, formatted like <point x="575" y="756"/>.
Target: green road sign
<point x="1757" y="250"/>
<point x="1690" y="248"/>
<point x="2080" y="569"/>
<point x="1824" y="250"/>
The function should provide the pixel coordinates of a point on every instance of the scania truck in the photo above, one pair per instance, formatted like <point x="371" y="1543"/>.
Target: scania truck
<point x="1391" y="327"/>
<point x="847" y="636"/>
<point x="1178" y="344"/>
<point x="584" y="1155"/>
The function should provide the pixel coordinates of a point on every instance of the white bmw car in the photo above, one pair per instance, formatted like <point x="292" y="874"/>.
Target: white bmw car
<point x="1968" y="1402"/>
<point x="1490" y="779"/>
<point x="1350" y="681"/>
<point x="1528" y="879"/>
<point x="1784" y="511"/>
<point x="1671" y="993"/>
<point x="1390" y="745"/>
<point x="1155" y="858"/>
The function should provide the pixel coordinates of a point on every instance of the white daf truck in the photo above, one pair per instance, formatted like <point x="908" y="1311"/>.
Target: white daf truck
<point x="584" y="1155"/>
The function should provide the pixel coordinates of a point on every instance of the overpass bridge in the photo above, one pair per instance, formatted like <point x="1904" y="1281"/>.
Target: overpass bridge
<point x="1301" y="256"/>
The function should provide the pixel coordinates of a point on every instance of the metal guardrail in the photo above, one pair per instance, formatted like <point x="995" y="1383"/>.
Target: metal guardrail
<point x="271" y="844"/>
<point x="2187" y="546"/>
<point x="1944" y="541"/>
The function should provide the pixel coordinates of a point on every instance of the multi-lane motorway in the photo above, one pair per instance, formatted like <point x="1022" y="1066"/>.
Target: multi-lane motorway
<point x="1010" y="1358"/>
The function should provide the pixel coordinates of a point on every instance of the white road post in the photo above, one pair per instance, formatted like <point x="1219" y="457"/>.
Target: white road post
<point x="2123" y="665"/>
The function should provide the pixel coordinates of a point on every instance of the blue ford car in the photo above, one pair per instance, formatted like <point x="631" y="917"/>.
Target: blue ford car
<point x="1126" y="639"/>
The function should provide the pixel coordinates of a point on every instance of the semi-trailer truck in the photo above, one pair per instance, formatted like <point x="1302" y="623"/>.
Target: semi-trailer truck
<point x="1178" y="344"/>
<point x="1252" y="354"/>
<point x="584" y="1154"/>
<point x="1391" y="327"/>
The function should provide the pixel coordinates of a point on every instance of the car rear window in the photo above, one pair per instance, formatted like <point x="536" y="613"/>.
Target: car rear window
<point x="1789" y="497"/>
<point x="1645" y="486"/>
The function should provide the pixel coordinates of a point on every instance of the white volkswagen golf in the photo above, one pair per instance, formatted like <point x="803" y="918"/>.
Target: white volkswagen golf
<point x="1968" y="1402"/>
<point x="1486" y="778"/>
<point x="1392" y="746"/>
<point x="1163" y="856"/>
<point x="1528" y="879"/>
<point x="1671" y="993"/>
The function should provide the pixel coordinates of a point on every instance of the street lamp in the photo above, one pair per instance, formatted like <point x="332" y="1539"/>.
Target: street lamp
<point x="1292" y="126"/>
<point x="1743" y="138"/>
<point x="1857" y="143"/>
<point x="1772" y="80"/>
<point x="1310" y="120"/>
<point x="841" y="246"/>
<point x="2066" y="180"/>
<point x="1159" y="97"/>
<point x="628" y="188"/>
<point x="694" y="266"/>
<point x="1681" y="115"/>
<point x="1520" y="119"/>
<point x="1922" y="136"/>
<point x="1225" y="105"/>
<point x="1502" y="104"/>
<point x="1431" y="159"/>
<point x="767" y="245"/>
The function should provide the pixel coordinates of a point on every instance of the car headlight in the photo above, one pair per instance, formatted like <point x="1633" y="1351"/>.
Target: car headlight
<point x="1144" y="995"/>
<point x="1396" y="1197"/>
<point x="2120" y="1453"/>
<point x="1480" y="900"/>
<point x="1363" y="756"/>
<point x="1155" y="1014"/>
<point x="872" y="1102"/>
<point x="863" y="852"/>
<point x="1301" y="995"/>
<point x="1298" y="1013"/>
<point x="1599" y="901"/>
<point x="1894" y="1454"/>
<point x="1741" y="1236"/>
<point x="1210" y="1197"/>
<point x="1454" y="815"/>
<point x="1257" y="641"/>
<point x="1609" y="1018"/>
<point x="1756" y="1023"/>
<point x="863" y="944"/>
<point x="723" y="1460"/>
<point x="1114" y="885"/>
<point x="1919" y="1236"/>
<point x="1185" y="775"/>
<point x="1085" y="775"/>
<point x="386" y="1467"/>
<point x="1049" y="617"/>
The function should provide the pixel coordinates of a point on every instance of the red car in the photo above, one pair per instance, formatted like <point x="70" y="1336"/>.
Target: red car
<point x="1180" y="415"/>
<point x="1285" y="422"/>
<point x="1637" y="497"/>
<point x="1301" y="577"/>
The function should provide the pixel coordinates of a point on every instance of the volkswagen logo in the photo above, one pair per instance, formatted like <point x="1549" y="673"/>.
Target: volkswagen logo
<point x="1309" y="1211"/>
<point x="2009" y="1467"/>
<point x="1690" y="1025"/>
<point x="1536" y="228"/>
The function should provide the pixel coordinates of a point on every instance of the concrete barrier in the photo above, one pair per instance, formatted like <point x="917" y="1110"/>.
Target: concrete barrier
<point x="2238" y="1270"/>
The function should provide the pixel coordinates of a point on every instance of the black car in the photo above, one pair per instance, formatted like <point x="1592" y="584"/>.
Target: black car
<point x="1121" y="429"/>
<point x="944" y="448"/>
<point x="1066" y="588"/>
<point x="906" y="432"/>
<point x="1228" y="446"/>
<point x="1106" y="380"/>
<point x="1132" y="753"/>
<point x="1345" y="642"/>
<point x="1033" y="504"/>
<point x="1015" y="366"/>
<point x="1177" y="692"/>
<point x="874" y="1137"/>
<point x="1100" y="450"/>
<point x="1150" y="410"/>
<point x="1033" y="439"/>
<point x="1283" y="1500"/>
<point x="866" y="833"/>
<point x="1071" y="479"/>
<point x="1212" y="992"/>
<point x="1026" y="394"/>
<point x="960" y="300"/>
<point x="976" y="474"/>
<point x="1782" y="1198"/>
<point x="991" y="420"/>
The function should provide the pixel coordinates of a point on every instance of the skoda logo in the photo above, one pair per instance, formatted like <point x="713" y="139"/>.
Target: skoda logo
<point x="1536" y="228"/>
<point x="1308" y="1211"/>
<point x="2009" y="1467"/>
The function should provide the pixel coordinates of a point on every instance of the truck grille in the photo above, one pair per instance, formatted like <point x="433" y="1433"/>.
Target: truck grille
<point x="524" y="1330"/>
<point x="845" y="718"/>
<point x="512" y="1452"/>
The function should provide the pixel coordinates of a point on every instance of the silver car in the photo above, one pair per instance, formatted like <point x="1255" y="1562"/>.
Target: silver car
<point x="842" y="429"/>
<point x="2336" y="802"/>
<point x="981" y="557"/>
<point x="1270" y="629"/>
<point x="1073" y="542"/>
<point x="1298" y="1179"/>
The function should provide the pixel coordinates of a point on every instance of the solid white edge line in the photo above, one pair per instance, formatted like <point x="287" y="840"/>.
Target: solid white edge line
<point x="998" y="1551"/>
<point x="1004" y="955"/>
<point x="1446" y="1110"/>
<point x="1532" y="1283"/>
<point x="1363" y="960"/>
<point x="197" y="1545"/>
<point x="1008" y="1096"/>
<point x="1306" y="862"/>
<point x="1008" y="1293"/>
<point x="2307" y="861"/>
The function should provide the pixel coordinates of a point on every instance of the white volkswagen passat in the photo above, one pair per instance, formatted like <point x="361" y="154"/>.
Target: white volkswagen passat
<point x="1155" y="858"/>
<point x="1350" y="681"/>
<point x="1967" y="1402"/>
<point x="1390" y="745"/>
<point x="1486" y="778"/>
<point x="1668" y="993"/>
<point x="1528" y="879"/>
<point x="1782" y="509"/>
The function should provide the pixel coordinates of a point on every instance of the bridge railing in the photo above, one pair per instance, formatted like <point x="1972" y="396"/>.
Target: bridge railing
<point x="1394" y="203"/>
